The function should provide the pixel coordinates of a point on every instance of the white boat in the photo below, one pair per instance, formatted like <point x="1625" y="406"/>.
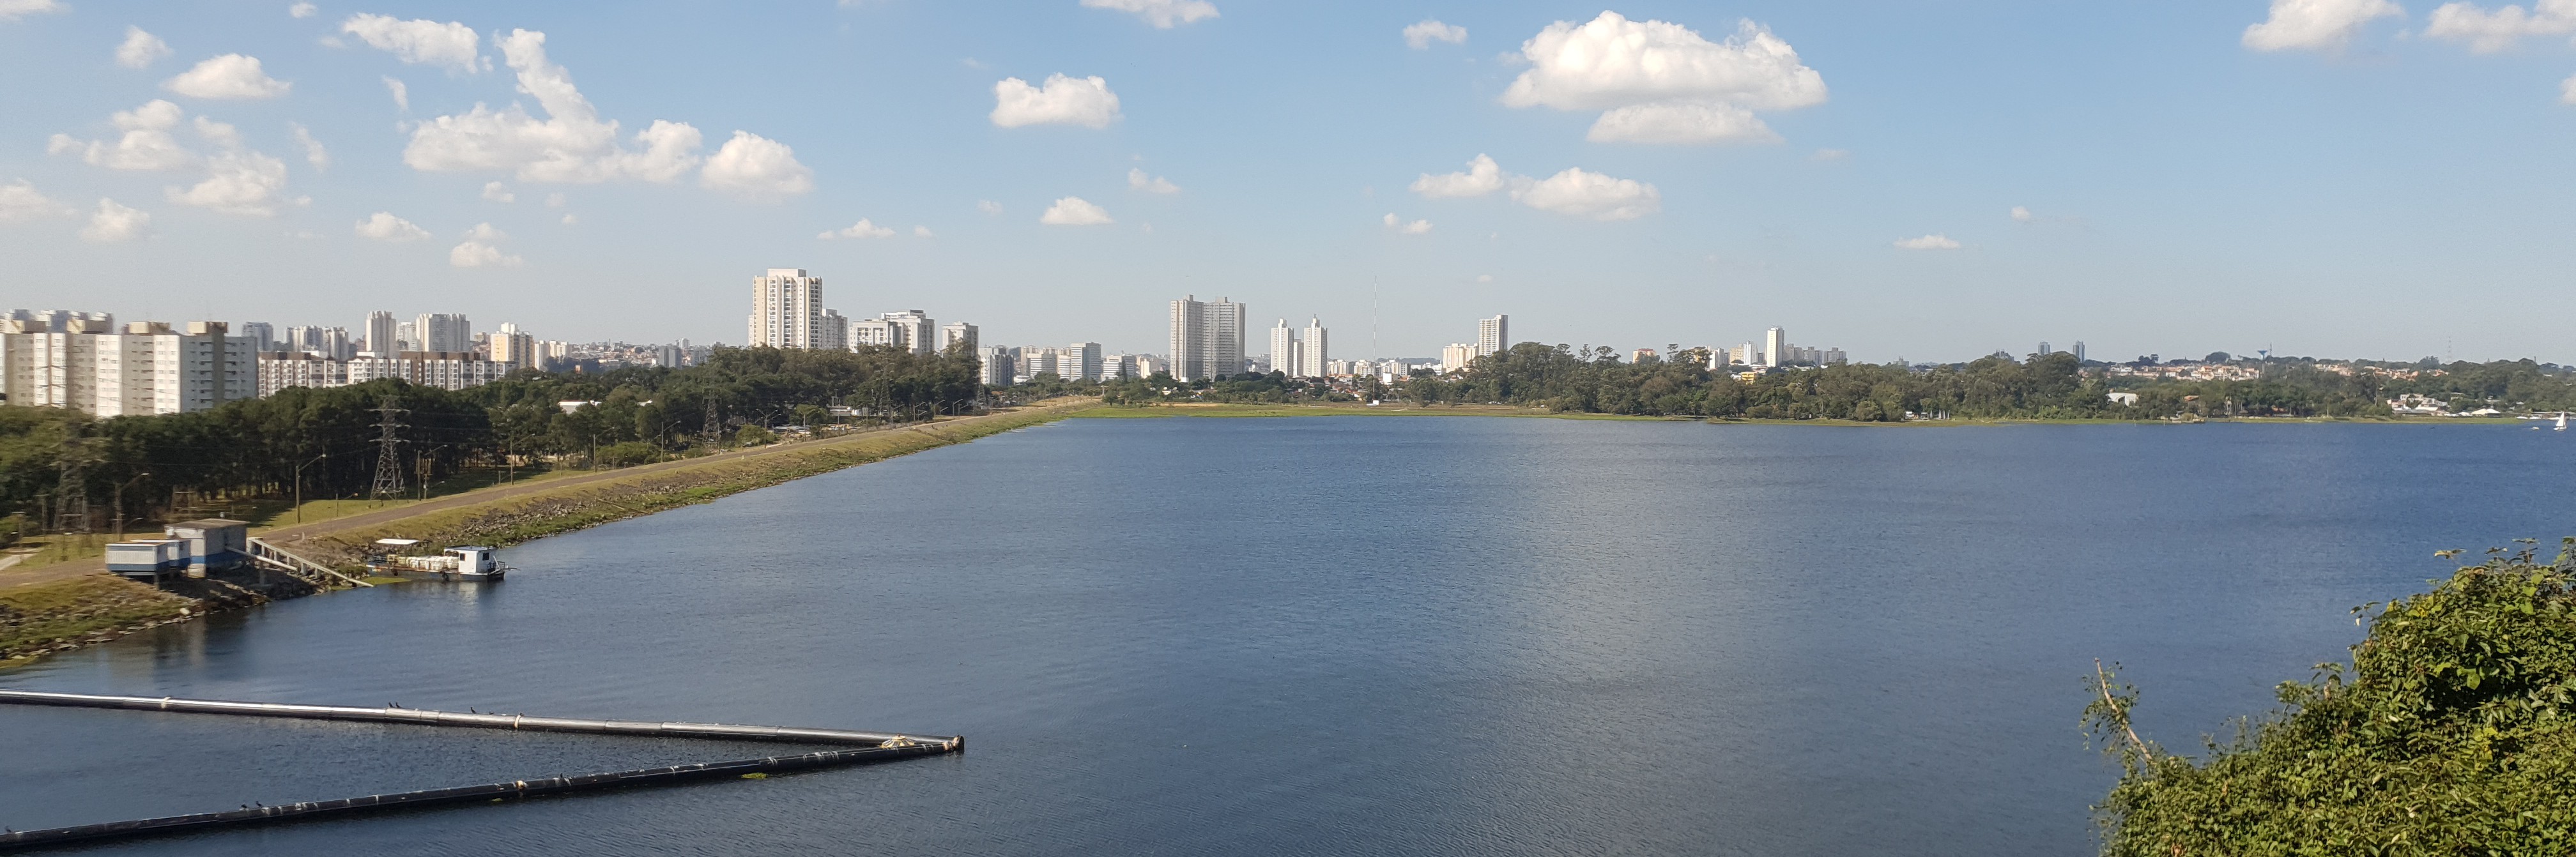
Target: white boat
<point x="466" y="562"/>
<point x="2562" y="420"/>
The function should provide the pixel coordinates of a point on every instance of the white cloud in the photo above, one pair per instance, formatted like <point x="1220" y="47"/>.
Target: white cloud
<point x="2492" y="32"/>
<point x="1482" y="177"/>
<point x="140" y="49"/>
<point x="301" y="10"/>
<point x="11" y="10"/>
<point x="921" y="232"/>
<point x="113" y="222"/>
<point x="2315" y="24"/>
<point x="384" y="226"/>
<point x="1663" y="82"/>
<point x="476" y="254"/>
<point x="1484" y="278"/>
<point x="1399" y="225"/>
<point x="1684" y="122"/>
<point x="420" y="41"/>
<point x="314" y="154"/>
<point x="402" y="94"/>
<point x="225" y="77"/>
<point x="1422" y="33"/>
<point x="146" y="144"/>
<point x="1829" y="155"/>
<point x="2567" y="90"/>
<point x="1160" y="13"/>
<point x="1928" y="242"/>
<point x="756" y="167"/>
<point x="569" y="220"/>
<point x="1589" y="194"/>
<point x="988" y="206"/>
<point x="240" y="182"/>
<point x="19" y="203"/>
<point x="486" y="232"/>
<point x="218" y="133"/>
<point x="570" y="145"/>
<point x="1074" y="211"/>
<point x="2021" y="214"/>
<point x="498" y="192"/>
<point x="861" y="229"/>
<point x="1084" y="101"/>
<point x="1138" y="180"/>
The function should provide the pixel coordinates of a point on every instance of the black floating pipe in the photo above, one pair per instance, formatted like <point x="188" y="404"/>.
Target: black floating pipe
<point x="425" y="717"/>
<point x="25" y="839"/>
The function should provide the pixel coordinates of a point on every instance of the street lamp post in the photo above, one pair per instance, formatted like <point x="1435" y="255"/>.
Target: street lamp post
<point x="299" y="487"/>
<point x="120" y="502"/>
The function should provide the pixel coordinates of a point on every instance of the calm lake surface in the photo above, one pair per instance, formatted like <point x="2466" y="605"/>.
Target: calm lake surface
<point x="1338" y="635"/>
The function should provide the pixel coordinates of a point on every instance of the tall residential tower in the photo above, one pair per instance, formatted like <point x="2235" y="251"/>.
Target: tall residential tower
<point x="786" y="309"/>
<point x="1207" y="338"/>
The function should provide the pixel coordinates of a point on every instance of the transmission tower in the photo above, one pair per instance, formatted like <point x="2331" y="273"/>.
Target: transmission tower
<point x="389" y="481"/>
<point x="71" y="495"/>
<point x="714" y="428"/>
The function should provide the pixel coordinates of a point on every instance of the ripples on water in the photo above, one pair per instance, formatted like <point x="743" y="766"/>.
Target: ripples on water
<point x="1338" y="635"/>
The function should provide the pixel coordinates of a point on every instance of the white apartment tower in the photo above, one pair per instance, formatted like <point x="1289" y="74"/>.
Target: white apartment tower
<point x="1311" y="351"/>
<point x="1775" y="347"/>
<point x="916" y="329"/>
<point x="513" y="347"/>
<point x="1284" y="348"/>
<point x="1079" y="362"/>
<point x="1456" y="357"/>
<point x="1207" y="338"/>
<point x="382" y="335"/>
<point x="998" y="366"/>
<point x="833" y="334"/>
<point x="956" y="333"/>
<point x="84" y="365"/>
<point x="786" y="309"/>
<point x="441" y="331"/>
<point x="1493" y="334"/>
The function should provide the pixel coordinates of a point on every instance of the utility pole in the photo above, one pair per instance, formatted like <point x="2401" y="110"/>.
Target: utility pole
<point x="388" y="466"/>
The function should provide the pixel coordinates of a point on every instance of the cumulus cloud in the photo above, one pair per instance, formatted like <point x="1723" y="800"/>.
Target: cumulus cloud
<point x="231" y="76"/>
<point x="1163" y="14"/>
<point x="498" y="192"/>
<point x="140" y="49"/>
<point x="476" y="254"/>
<point x="756" y="167"/>
<point x="218" y="133"/>
<point x="2492" y="32"/>
<point x="1422" y="33"/>
<point x="314" y="154"/>
<point x="401" y="93"/>
<point x="1663" y="82"/>
<point x="19" y="203"/>
<point x="113" y="222"/>
<point x="921" y="232"/>
<point x="1399" y="225"/>
<point x="1482" y="177"/>
<point x="301" y="10"/>
<point x="569" y="220"/>
<point x="988" y="206"/>
<point x="486" y="232"/>
<point x="239" y="182"/>
<point x="1589" y="194"/>
<point x="861" y="229"/>
<point x="1928" y="242"/>
<point x="1074" y="211"/>
<point x="384" y="226"/>
<point x="571" y="145"/>
<point x="420" y="41"/>
<point x="11" y="10"/>
<point x="1138" y="180"/>
<point x="146" y="144"/>
<point x="1682" y="122"/>
<point x="1084" y="101"/>
<point x="2315" y="25"/>
<point x="2021" y="214"/>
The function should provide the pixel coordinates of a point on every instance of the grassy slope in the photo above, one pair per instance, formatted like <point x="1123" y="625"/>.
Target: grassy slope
<point x="38" y="618"/>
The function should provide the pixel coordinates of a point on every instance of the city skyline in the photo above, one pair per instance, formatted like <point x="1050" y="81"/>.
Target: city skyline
<point x="1043" y="170"/>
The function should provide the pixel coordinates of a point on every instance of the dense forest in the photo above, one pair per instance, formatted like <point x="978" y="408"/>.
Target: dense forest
<point x="323" y="441"/>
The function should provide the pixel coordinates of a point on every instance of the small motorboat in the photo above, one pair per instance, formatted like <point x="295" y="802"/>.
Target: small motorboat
<point x="474" y="563"/>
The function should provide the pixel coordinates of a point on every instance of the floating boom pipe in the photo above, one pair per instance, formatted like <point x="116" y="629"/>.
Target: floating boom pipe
<point x="426" y="717"/>
<point x="490" y="792"/>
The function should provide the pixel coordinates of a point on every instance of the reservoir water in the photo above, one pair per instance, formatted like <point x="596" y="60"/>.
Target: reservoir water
<point x="1357" y="635"/>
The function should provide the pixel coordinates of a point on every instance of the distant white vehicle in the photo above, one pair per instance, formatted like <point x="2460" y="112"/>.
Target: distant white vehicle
<point x="469" y="563"/>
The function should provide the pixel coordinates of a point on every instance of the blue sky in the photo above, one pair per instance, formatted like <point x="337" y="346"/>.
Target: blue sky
<point x="2354" y="178"/>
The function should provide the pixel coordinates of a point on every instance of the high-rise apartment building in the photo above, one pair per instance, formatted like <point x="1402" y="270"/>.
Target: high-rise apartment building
<point x="917" y="330"/>
<point x="80" y="362"/>
<point x="512" y="347"/>
<point x="1080" y="362"/>
<point x="1284" y="347"/>
<point x="2078" y="351"/>
<point x="957" y="333"/>
<point x="1775" y="347"/>
<point x="1456" y="356"/>
<point x="384" y="334"/>
<point x="330" y="342"/>
<point x="262" y="335"/>
<point x="1039" y="361"/>
<point x="874" y="331"/>
<point x="2044" y="350"/>
<point x="786" y="309"/>
<point x="1311" y="350"/>
<point x="999" y="366"/>
<point x="1493" y="334"/>
<point x="1207" y="338"/>
<point x="833" y="333"/>
<point x="441" y="331"/>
